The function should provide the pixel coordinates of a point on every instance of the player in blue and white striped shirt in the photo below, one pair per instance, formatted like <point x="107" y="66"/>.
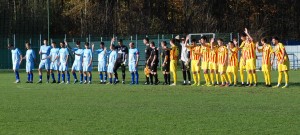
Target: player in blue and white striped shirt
<point x="45" y="62"/>
<point x="63" y="62"/>
<point x="133" y="61"/>
<point x="30" y="58"/>
<point x="54" y="52"/>
<point x="87" y="63"/>
<point x="102" y="62"/>
<point x="77" y="64"/>
<point x="16" y="57"/>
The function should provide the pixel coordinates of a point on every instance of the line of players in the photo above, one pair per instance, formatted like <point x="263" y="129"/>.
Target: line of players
<point x="218" y="61"/>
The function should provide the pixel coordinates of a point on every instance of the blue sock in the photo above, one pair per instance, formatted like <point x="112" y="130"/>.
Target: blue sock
<point x="110" y="80"/>
<point x="105" y="76"/>
<point x="137" y="77"/>
<point x="31" y="77"/>
<point x="58" y="77"/>
<point x="41" y="77"/>
<point x="28" y="76"/>
<point x="90" y="78"/>
<point x="132" y="77"/>
<point x="52" y="76"/>
<point x="85" y="78"/>
<point x="63" y="77"/>
<point x="68" y="76"/>
<point x="74" y="75"/>
<point x="101" y="76"/>
<point x="17" y="75"/>
<point x="81" y="77"/>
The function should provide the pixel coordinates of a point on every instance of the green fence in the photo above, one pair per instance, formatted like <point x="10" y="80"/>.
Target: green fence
<point x="35" y="40"/>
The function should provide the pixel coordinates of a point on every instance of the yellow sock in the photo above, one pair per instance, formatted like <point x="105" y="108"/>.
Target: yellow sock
<point x="225" y="78"/>
<point x="217" y="78"/>
<point x="212" y="78"/>
<point x="269" y="77"/>
<point x="199" y="78"/>
<point x="229" y="77"/>
<point x="250" y="78"/>
<point x="195" y="78"/>
<point x="242" y="76"/>
<point x="174" y="77"/>
<point x="254" y="77"/>
<point x="279" y="77"/>
<point x="286" y="76"/>
<point x="266" y="77"/>
<point x="235" y="77"/>
<point x="206" y="78"/>
<point x="222" y="79"/>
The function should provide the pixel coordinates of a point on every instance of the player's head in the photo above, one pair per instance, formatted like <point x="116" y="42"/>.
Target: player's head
<point x="163" y="44"/>
<point x="120" y="42"/>
<point x="53" y="44"/>
<point x="243" y="36"/>
<point x="193" y="41"/>
<point x="112" y="47"/>
<point x="235" y="41"/>
<point x="78" y="44"/>
<point x="146" y="41"/>
<point x="62" y="44"/>
<point x="86" y="45"/>
<point x="27" y="45"/>
<point x="10" y="46"/>
<point x="131" y="45"/>
<point x="102" y="45"/>
<point x="263" y="40"/>
<point x="203" y="39"/>
<point x="231" y="44"/>
<point x="183" y="39"/>
<point x="152" y="44"/>
<point x="220" y="41"/>
<point x="45" y="41"/>
<point x="275" y="40"/>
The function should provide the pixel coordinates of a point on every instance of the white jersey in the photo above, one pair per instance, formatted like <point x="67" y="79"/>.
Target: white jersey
<point x="113" y="57"/>
<point x="54" y="52"/>
<point x="45" y="50"/>
<point x="63" y="54"/>
<point x="78" y="54"/>
<point x="102" y="56"/>
<point x="184" y="53"/>
<point x="133" y="55"/>
<point x="15" y="55"/>
<point x="30" y="56"/>
<point x="87" y="55"/>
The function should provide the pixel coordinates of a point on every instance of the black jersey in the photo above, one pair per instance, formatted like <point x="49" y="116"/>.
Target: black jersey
<point x="154" y="52"/>
<point x="122" y="51"/>
<point x="148" y="50"/>
<point x="165" y="53"/>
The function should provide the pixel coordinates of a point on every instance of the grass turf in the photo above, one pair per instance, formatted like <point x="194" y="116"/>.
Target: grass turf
<point x="124" y="109"/>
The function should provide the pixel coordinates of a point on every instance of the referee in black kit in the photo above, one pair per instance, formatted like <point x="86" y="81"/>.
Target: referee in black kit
<point x="122" y="51"/>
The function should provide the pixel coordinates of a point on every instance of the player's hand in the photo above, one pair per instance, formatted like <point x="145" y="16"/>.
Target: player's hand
<point x="257" y="44"/>
<point x="212" y="40"/>
<point x="235" y="43"/>
<point x="246" y="31"/>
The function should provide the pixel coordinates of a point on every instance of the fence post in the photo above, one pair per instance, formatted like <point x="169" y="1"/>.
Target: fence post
<point x="230" y="36"/>
<point x="40" y="39"/>
<point x="294" y="61"/>
<point x="8" y="54"/>
<point x="136" y="40"/>
<point x="101" y="39"/>
<point x="30" y="40"/>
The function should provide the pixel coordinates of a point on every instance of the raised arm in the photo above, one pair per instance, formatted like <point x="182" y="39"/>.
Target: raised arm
<point x="247" y="33"/>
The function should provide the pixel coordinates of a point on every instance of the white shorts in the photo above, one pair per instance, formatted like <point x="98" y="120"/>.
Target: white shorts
<point x="63" y="67"/>
<point x="44" y="64"/>
<point x="86" y="68"/>
<point x="102" y="66"/>
<point x="29" y="66"/>
<point x="54" y="66"/>
<point x="16" y="65"/>
<point x="132" y="67"/>
<point x="77" y="66"/>
<point x="110" y="68"/>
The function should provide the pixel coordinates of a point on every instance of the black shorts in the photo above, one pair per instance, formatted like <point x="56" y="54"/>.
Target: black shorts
<point x="184" y="67"/>
<point x="154" y="68"/>
<point x="166" y="68"/>
<point x="119" y="64"/>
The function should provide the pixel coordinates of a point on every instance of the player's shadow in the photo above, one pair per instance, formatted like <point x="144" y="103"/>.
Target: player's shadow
<point x="295" y="84"/>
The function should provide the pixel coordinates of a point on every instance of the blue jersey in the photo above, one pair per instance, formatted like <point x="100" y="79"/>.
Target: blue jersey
<point x="63" y="55"/>
<point x="30" y="56"/>
<point x="133" y="55"/>
<point x="87" y="55"/>
<point x="78" y="54"/>
<point x="15" y="55"/>
<point x="54" y="53"/>
<point x="102" y="56"/>
<point x="45" y="51"/>
<point x="113" y="57"/>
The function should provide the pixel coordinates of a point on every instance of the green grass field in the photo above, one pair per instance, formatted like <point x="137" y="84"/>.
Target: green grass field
<point x="124" y="109"/>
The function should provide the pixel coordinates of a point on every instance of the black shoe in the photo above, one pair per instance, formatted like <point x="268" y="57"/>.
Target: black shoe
<point x="123" y="82"/>
<point x="146" y="83"/>
<point x="53" y="81"/>
<point x="156" y="83"/>
<point x="31" y="82"/>
<point x="184" y="83"/>
<point x="40" y="81"/>
<point x="116" y="82"/>
<point x="249" y="85"/>
<point x="27" y="82"/>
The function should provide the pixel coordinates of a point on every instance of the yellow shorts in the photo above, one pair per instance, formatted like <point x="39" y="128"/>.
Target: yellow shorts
<point x="285" y="66"/>
<point x="250" y="64"/>
<point x="204" y="65"/>
<point x="232" y="69"/>
<point x="212" y="66"/>
<point x="266" y="67"/>
<point x="194" y="66"/>
<point x="173" y="65"/>
<point x="221" y="68"/>
<point x="242" y="66"/>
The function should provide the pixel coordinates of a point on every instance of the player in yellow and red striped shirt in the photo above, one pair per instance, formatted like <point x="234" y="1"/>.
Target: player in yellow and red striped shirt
<point x="242" y="61"/>
<point x="195" y="60"/>
<point x="283" y="62"/>
<point x="205" y="51"/>
<point x="174" y="52"/>
<point x="232" y="63"/>
<point x="222" y="62"/>
<point x="213" y="62"/>
<point x="266" y="60"/>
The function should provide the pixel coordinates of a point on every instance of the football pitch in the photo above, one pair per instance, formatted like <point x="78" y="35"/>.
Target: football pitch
<point x="139" y="109"/>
